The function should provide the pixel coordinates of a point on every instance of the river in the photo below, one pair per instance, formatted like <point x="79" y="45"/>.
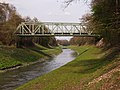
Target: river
<point x="14" y="78"/>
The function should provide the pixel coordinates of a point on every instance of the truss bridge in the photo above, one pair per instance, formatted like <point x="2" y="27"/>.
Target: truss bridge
<point x="52" y="29"/>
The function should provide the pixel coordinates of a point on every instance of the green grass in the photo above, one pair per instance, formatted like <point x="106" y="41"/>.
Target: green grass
<point x="11" y="56"/>
<point x="89" y="64"/>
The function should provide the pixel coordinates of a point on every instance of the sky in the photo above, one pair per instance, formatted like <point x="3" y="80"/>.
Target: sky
<point x="51" y="10"/>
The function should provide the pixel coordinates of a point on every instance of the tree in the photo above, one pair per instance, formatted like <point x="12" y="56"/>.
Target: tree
<point x="35" y="19"/>
<point x="3" y="12"/>
<point x="106" y="16"/>
<point x="9" y="22"/>
<point x="105" y="19"/>
<point x="27" y="19"/>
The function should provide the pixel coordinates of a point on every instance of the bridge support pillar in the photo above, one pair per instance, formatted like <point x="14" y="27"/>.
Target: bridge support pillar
<point x="18" y="42"/>
<point x="24" y="42"/>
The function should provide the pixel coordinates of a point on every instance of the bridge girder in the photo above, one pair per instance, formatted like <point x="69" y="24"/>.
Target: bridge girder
<point x="52" y="29"/>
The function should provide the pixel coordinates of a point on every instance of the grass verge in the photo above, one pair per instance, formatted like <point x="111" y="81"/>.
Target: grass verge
<point x="82" y="73"/>
<point x="11" y="57"/>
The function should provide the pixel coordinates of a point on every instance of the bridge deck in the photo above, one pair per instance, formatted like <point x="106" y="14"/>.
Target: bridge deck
<point x="49" y="35"/>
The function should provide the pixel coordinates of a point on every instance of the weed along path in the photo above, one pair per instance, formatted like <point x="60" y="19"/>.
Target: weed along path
<point x="11" y="79"/>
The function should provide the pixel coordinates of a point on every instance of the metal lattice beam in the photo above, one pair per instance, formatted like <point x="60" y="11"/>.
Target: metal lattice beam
<point x="51" y="29"/>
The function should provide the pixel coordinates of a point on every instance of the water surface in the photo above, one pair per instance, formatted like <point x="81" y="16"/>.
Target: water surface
<point x="12" y="79"/>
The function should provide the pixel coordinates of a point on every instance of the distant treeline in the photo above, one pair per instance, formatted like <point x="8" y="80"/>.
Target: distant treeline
<point x="79" y="41"/>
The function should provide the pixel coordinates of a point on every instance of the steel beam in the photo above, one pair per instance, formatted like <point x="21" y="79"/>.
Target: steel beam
<point x="51" y="29"/>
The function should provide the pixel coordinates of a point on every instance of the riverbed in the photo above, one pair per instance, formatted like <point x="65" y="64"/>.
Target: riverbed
<point x="12" y="79"/>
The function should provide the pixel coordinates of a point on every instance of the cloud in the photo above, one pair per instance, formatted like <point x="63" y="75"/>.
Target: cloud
<point x="50" y="13"/>
<point x="59" y="14"/>
<point x="67" y="13"/>
<point x="2" y="1"/>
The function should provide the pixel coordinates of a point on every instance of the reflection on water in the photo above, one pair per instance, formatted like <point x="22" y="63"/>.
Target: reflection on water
<point x="12" y="79"/>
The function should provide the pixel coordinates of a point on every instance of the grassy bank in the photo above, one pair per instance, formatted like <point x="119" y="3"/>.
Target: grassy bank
<point x="11" y="56"/>
<point x="93" y="69"/>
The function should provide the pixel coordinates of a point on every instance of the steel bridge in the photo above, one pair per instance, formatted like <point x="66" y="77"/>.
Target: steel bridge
<point x="52" y="29"/>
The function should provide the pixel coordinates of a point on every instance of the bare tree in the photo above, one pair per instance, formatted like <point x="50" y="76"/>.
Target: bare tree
<point x="68" y="2"/>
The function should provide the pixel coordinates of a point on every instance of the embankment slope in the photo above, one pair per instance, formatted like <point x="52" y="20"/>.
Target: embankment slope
<point x="11" y="57"/>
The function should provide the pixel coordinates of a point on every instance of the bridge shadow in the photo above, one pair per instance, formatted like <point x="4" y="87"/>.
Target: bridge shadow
<point x="28" y="54"/>
<point x="40" y="52"/>
<point x="37" y="48"/>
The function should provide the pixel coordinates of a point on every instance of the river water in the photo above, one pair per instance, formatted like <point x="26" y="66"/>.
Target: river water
<point x="12" y="79"/>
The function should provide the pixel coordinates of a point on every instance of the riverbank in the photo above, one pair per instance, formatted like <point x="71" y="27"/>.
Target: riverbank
<point x="93" y="69"/>
<point x="11" y="57"/>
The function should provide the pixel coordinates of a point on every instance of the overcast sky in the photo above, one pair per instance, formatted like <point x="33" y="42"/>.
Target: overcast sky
<point x="51" y="10"/>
